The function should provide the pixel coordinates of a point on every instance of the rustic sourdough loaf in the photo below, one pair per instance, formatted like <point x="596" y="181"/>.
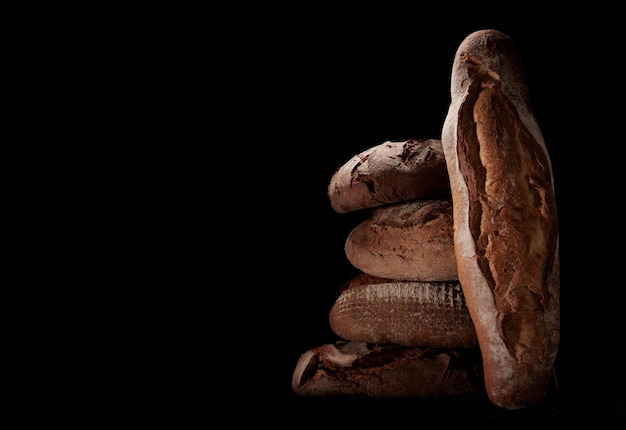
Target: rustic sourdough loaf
<point x="359" y="369"/>
<point x="390" y="172"/>
<point x="378" y="310"/>
<point x="410" y="241"/>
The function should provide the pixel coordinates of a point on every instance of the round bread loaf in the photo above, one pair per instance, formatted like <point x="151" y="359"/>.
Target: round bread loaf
<point x="411" y="241"/>
<point x="505" y="218"/>
<point x="377" y="310"/>
<point x="359" y="369"/>
<point x="391" y="172"/>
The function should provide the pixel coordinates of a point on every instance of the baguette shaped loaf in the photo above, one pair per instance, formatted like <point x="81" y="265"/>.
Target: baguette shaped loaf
<point x="411" y="241"/>
<point x="391" y="172"/>
<point x="376" y="310"/>
<point x="506" y="230"/>
<point x="362" y="370"/>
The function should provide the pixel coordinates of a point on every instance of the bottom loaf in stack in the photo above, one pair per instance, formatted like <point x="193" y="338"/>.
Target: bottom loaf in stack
<point x="360" y="369"/>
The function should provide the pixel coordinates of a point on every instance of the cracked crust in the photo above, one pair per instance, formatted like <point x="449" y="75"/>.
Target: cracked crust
<point x="360" y="370"/>
<point x="391" y="172"/>
<point x="505" y="218"/>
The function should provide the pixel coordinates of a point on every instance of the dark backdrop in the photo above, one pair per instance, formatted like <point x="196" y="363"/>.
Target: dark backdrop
<point x="183" y="150"/>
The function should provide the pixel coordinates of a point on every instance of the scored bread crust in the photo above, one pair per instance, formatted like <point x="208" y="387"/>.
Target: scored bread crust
<point x="506" y="232"/>
<point x="378" y="310"/>
<point x="391" y="172"/>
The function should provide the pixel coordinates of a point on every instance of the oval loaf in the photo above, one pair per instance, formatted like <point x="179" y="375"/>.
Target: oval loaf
<point x="391" y="172"/>
<point x="412" y="313"/>
<point x="411" y="241"/>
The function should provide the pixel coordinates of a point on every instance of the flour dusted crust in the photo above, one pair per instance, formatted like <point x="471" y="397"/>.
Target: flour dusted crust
<point x="410" y="241"/>
<point x="360" y="370"/>
<point x="377" y="310"/>
<point x="391" y="172"/>
<point x="505" y="218"/>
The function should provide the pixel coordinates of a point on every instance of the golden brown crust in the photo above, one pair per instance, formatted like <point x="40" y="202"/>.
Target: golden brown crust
<point x="505" y="218"/>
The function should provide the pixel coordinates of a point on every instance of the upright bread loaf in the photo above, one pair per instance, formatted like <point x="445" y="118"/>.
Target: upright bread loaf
<point x="506" y="232"/>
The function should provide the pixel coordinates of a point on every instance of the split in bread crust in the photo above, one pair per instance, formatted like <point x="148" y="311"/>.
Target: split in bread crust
<point x="505" y="218"/>
<point x="391" y="172"/>
<point x="360" y="370"/>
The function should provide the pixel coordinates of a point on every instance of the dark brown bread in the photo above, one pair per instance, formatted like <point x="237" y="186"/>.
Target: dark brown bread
<point x="358" y="369"/>
<point x="377" y="310"/>
<point x="391" y="172"/>
<point x="505" y="218"/>
<point x="411" y="241"/>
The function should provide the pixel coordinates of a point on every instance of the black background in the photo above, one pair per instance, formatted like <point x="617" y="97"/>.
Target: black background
<point x="179" y="155"/>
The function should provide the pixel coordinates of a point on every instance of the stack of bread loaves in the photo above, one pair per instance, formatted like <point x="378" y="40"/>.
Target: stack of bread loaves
<point x="404" y="325"/>
<point x="459" y="285"/>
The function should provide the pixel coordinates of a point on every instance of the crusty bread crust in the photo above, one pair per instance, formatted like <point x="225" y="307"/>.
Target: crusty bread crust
<point x="377" y="310"/>
<point x="390" y="172"/>
<point x="359" y="369"/>
<point x="410" y="241"/>
<point x="505" y="218"/>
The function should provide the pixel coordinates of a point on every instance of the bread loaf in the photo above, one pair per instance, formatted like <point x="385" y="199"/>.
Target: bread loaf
<point x="410" y="241"/>
<point x="376" y="310"/>
<point x="391" y="172"/>
<point x="359" y="369"/>
<point x="506" y="231"/>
